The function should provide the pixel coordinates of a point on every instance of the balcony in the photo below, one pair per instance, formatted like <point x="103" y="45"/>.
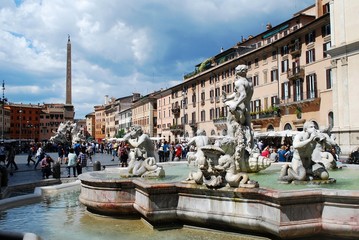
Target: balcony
<point x="295" y="73"/>
<point x="176" y="110"/>
<point x="295" y="49"/>
<point x="212" y="99"/>
<point x="203" y="102"/>
<point x="307" y="98"/>
<point x="220" y="123"/>
<point x="177" y="129"/>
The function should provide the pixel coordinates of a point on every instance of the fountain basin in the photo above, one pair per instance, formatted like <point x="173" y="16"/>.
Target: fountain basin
<point x="283" y="213"/>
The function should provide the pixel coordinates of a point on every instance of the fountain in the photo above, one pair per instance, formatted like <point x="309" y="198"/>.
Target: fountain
<point x="220" y="193"/>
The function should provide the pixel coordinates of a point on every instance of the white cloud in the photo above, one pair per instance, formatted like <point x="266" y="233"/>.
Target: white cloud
<point x="119" y="46"/>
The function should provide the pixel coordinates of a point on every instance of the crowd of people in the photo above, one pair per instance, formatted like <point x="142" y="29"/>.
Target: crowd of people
<point x="284" y="153"/>
<point x="171" y="151"/>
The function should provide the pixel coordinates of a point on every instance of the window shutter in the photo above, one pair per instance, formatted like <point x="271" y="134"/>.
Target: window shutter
<point x="301" y="87"/>
<point x="315" y="85"/>
<point x="282" y="91"/>
<point x="308" y="86"/>
<point x="289" y="89"/>
<point x="313" y="55"/>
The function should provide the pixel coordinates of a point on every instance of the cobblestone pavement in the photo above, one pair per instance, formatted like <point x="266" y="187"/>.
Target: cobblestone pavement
<point x="27" y="174"/>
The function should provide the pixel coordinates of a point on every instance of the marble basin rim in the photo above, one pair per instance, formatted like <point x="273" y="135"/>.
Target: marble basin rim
<point x="282" y="213"/>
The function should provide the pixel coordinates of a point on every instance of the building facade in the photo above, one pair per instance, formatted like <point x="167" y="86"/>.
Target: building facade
<point x="345" y="61"/>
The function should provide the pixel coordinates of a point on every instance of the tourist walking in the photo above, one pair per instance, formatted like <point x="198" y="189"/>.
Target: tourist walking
<point x="60" y="152"/>
<point x="161" y="154"/>
<point x="31" y="153"/>
<point x="71" y="162"/>
<point x="166" y="151"/>
<point x="40" y="154"/>
<point x="11" y="158"/>
<point x="81" y="161"/>
<point x="2" y="153"/>
<point x="123" y="154"/>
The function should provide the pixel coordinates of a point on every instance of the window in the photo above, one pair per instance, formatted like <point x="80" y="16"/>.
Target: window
<point x="273" y="100"/>
<point x="194" y="98"/>
<point x="274" y="75"/>
<point x="203" y="96"/>
<point x="265" y="76"/>
<point x="193" y="117"/>
<point x="256" y="62"/>
<point x="329" y="78"/>
<point x="211" y="114"/>
<point x="285" y="50"/>
<point x="249" y="64"/>
<point x="285" y="91"/>
<point x="310" y="37"/>
<point x="326" y="47"/>
<point x="255" y="80"/>
<point x="298" y="90"/>
<point x="218" y="112"/>
<point x="229" y="88"/>
<point x="331" y="120"/>
<point x="211" y="80"/>
<point x="310" y="56"/>
<point x="257" y="105"/>
<point x="285" y="66"/>
<point x="202" y="83"/>
<point x="265" y="103"/>
<point x="287" y="126"/>
<point x="326" y="8"/>
<point x="326" y="30"/>
<point x="265" y="58"/>
<point x="311" y="86"/>
<point x="203" y="116"/>
<point x="218" y="92"/>
<point x="274" y="55"/>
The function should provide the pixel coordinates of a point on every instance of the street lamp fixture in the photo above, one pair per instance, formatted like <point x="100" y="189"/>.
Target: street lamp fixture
<point x="20" y="111"/>
<point x="3" y="100"/>
<point x="184" y="94"/>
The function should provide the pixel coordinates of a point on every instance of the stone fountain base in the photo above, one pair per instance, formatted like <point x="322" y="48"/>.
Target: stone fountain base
<point x="285" y="214"/>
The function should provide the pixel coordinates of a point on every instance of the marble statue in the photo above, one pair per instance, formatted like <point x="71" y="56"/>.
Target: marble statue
<point x="302" y="167"/>
<point x="319" y="154"/>
<point x="233" y="156"/>
<point x="142" y="161"/>
<point x="68" y="133"/>
<point x="198" y="141"/>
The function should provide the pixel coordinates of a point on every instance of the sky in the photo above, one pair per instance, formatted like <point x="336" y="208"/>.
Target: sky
<point x="119" y="47"/>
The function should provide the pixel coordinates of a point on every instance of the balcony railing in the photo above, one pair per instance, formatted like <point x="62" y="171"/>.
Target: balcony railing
<point x="303" y="97"/>
<point x="295" y="73"/>
<point x="176" y="110"/>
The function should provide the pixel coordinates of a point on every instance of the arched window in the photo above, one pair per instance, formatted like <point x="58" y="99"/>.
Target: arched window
<point x="331" y="120"/>
<point x="270" y="128"/>
<point x="287" y="126"/>
<point x="213" y="132"/>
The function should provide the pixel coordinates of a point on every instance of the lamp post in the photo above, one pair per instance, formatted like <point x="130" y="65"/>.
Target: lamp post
<point x="3" y="100"/>
<point x="184" y="112"/>
<point x="20" y="111"/>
